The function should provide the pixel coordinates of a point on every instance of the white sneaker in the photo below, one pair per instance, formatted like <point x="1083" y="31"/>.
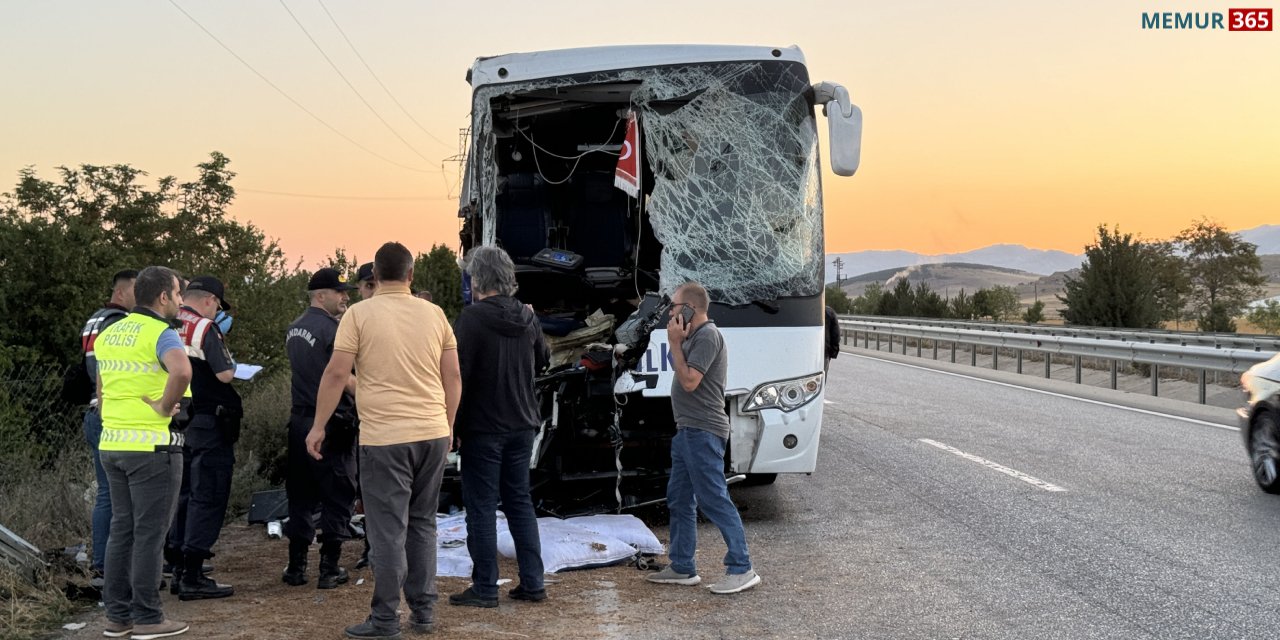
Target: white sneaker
<point x="670" y="576"/>
<point x="735" y="582"/>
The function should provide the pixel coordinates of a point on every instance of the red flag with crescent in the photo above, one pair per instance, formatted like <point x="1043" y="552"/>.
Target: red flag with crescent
<point x="627" y="175"/>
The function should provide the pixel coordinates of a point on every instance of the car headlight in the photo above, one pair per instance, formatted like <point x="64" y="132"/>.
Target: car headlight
<point x="787" y="395"/>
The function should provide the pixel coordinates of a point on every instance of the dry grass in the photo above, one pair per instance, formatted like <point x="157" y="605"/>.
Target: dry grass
<point x="30" y="611"/>
<point x="50" y="507"/>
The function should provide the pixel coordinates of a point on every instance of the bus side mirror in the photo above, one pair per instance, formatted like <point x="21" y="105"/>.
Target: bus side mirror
<point x="844" y="127"/>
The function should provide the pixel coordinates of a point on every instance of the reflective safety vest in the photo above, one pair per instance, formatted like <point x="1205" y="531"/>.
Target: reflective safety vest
<point x="99" y="321"/>
<point x="194" y="329"/>
<point x="129" y="370"/>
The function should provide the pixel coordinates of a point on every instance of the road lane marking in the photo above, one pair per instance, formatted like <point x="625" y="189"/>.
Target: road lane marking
<point x="1031" y="480"/>
<point x="827" y="402"/>
<point x="1158" y="414"/>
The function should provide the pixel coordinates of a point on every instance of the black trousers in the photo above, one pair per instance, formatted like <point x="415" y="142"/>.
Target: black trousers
<point x="209" y="456"/>
<point x="327" y="485"/>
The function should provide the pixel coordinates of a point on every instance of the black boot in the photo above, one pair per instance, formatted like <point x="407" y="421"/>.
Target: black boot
<point x="296" y="573"/>
<point x="331" y="575"/>
<point x="195" y="586"/>
<point x="173" y="557"/>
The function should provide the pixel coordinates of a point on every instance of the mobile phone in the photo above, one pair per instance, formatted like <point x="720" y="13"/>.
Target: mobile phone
<point x="686" y="315"/>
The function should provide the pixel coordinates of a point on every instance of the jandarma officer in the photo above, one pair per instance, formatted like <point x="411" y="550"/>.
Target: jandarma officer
<point x="328" y="483"/>
<point x="210" y="440"/>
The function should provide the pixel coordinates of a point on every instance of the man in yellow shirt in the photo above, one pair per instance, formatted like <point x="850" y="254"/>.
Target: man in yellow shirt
<point x="407" y="391"/>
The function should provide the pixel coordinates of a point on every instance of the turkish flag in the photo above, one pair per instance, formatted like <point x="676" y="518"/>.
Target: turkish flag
<point x="627" y="175"/>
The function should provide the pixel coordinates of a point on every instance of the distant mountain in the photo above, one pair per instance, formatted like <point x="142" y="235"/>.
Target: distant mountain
<point x="1267" y="237"/>
<point x="1006" y="256"/>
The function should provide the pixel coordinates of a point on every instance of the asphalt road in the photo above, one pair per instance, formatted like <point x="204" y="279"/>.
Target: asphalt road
<point x="1158" y="530"/>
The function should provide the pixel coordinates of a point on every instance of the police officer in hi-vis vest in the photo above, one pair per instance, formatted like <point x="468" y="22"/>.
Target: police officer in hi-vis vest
<point x="142" y="373"/>
<point x="329" y="484"/>
<point x="117" y="308"/>
<point x="210" y="441"/>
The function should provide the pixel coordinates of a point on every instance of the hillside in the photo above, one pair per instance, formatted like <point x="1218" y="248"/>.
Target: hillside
<point x="1006" y="256"/>
<point x="1271" y="267"/>
<point x="945" y="278"/>
<point x="1012" y="256"/>
<point x="948" y="278"/>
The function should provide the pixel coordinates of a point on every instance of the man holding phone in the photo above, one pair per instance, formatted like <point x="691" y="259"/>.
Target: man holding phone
<point x="697" y="450"/>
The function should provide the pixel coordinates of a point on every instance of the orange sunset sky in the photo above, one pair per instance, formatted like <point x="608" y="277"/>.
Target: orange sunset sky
<point x="985" y="122"/>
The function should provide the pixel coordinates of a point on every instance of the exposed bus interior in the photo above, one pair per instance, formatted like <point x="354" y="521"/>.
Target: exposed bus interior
<point x="729" y="197"/>
<point x="556" y="151"/>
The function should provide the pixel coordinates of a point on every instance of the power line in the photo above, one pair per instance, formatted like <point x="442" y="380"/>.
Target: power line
<point x="351" y="86"/>
<point x="339" y="197"/>
<point x="379" y="80"/>
<point x="290" y="98"/>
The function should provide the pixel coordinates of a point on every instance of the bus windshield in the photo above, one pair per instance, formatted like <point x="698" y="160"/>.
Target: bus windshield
<point x="731" y="148"/>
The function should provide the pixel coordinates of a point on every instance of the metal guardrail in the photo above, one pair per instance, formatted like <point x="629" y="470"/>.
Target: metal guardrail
<point x="1256" y="342"/>
<point x="1199" y="358"/>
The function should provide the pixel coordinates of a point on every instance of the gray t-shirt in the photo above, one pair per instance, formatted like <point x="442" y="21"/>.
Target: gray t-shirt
<point x="703" y="408"/>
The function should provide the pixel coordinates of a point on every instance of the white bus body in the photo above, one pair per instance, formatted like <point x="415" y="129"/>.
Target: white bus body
<point x="729" y="195"/>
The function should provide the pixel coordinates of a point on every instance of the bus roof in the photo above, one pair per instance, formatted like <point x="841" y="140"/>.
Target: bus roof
<point x="520" y="67"/>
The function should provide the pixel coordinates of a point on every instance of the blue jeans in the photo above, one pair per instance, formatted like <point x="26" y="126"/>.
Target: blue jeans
<point x="102" y="504"/>
<point x="496" y="466"/>
<point x="697" y="482"/>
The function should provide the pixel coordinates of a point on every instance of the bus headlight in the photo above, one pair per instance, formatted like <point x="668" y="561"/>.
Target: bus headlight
<point x="787" y="395"/>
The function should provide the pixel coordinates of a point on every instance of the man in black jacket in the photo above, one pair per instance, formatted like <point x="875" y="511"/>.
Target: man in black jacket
<point x="500" y="350"/>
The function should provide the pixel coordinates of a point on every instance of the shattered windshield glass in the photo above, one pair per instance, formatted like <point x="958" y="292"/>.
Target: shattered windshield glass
<point x="735" y="197"/>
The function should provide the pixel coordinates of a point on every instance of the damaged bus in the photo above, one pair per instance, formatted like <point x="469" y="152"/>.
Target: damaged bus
<point x="611" y="175"/>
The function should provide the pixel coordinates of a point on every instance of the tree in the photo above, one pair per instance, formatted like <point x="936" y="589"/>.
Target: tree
<point x="999" y="303"/>
<point x="437" y="271"/>
<point x="1173" y="283"/>
<point x="1266" y="317"/>
<point x="1224" y="271"/>
<point x="868" y="303"/>
<point x="839" y="300"/>
<point x="346" y="265"/>
<point x="981" y="306"/>
<point x="61" y="240"/>
<point x="1034" y="314"/>
<point x="901" y="301"/>
<point x="928" y="303"/>
<point x="962" y="307"/>
<point x="1118" y="283"/>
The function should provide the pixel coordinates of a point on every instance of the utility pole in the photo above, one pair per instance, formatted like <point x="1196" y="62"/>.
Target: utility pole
<point x="839" y="263"/>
